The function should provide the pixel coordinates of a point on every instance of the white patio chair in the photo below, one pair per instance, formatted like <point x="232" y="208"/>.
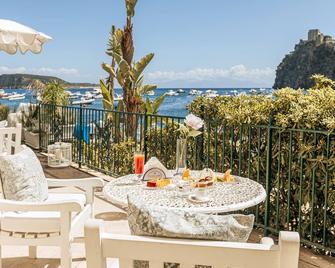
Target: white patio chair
<point x="10" y="139"/>
<point x="49" y="223"/>
<point x="126" y="248"/>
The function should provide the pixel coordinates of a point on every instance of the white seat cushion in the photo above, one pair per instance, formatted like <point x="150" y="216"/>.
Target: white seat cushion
<point x="39" y="221"/>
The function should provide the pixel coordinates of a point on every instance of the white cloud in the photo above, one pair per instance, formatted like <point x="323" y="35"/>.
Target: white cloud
<point x="41" y="71"/>
<point x="238" y="73"/>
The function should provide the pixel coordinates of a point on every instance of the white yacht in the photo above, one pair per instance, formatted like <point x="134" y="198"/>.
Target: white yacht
<point x="96" y="90"/>
<point x="98" y="96"/>
<point x="234" y="92"/>
<point x="71" y="95"/>
<point x="151" y="93"/>
<point x="83" y="100"/>
<point x="253" y="91"/>
<point x="180" y="90"/>
<point x="210" y="93"/>
<point x="171" y="93"/>
<point x="195" y="92"/>
<point x="16" y="96"/>
<point x="117" y="97"/>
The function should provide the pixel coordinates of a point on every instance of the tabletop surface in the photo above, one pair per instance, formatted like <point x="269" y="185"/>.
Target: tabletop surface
<point x="223" y="197"/>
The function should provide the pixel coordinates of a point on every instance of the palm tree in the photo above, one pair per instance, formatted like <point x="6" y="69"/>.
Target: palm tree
<point x="127" y="72"/>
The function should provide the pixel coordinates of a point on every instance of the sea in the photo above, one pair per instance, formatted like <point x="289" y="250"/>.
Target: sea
<point x="172" y="105"/>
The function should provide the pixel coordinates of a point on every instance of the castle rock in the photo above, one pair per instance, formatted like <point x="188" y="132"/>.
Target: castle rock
<point x="316" y="55"/>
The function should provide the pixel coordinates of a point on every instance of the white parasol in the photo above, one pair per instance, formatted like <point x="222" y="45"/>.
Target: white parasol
<point x="14" y="35"/>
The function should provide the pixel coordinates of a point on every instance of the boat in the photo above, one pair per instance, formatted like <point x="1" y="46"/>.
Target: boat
<point x="151" y="93"/>
<point x="210" y="93"/>
<point x="117" y="97"/>
<point x="234" y="92"/>
<point x="195" y="92"/>
<point x="71" y="95"/>
<point x="3" y="94"/>
<point x="83" y="100"/>
<point x="180" y="90"/>
<point x="171" y="93"/>
<point x="253" y="91"/>
<point x="16" y="97"/>
<point x="96" y="90"/>
<point x="98" y="96"/>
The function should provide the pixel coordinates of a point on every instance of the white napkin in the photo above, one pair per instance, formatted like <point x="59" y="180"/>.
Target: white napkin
<point x="153" y="162"/>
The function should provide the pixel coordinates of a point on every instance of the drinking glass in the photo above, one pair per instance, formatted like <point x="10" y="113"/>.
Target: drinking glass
<point x="139" y="164"/>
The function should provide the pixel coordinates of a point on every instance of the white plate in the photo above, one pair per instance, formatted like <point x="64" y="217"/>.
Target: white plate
<point x="194" y="199"/>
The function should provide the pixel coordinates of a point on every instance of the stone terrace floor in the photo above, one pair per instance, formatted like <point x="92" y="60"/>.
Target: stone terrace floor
<point x="115" y="221"/>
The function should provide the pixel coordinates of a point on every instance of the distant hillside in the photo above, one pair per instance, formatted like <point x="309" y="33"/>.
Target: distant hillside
<point x="313" y="56"/>
<point x="23" y="80"/>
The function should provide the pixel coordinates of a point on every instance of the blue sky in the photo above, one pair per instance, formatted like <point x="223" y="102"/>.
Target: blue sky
<point x="197" y="43"/>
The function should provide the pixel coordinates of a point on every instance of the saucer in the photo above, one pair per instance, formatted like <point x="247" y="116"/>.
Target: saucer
<point x="197" y="200"/>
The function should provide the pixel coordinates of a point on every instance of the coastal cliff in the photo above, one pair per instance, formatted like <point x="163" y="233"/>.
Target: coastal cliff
<point x="23" y="80"/>
<point x="313" y="56"/>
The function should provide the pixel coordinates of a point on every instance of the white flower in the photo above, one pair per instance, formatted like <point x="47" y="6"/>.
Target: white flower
<point x="194" y="122"/>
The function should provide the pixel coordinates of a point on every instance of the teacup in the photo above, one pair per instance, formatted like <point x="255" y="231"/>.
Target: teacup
<point x="200" y="193"/>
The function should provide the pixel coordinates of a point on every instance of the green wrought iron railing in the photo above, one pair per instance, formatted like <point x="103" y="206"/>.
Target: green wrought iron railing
<point x="296" y="166"/>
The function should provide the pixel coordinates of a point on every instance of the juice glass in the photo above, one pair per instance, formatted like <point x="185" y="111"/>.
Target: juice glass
<point x="139" y="164"/>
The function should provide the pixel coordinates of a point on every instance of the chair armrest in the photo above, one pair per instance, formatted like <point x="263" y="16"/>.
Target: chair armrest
<point x="88" y="184"/>
<point x="62" y="206"/>
<point x="83" y="183"/>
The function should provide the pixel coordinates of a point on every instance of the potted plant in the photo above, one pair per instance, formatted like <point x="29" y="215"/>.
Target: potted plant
<point x="30" y="126"/>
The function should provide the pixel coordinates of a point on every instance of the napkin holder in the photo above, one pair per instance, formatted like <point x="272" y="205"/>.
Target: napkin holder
<point x="154" y="169"/>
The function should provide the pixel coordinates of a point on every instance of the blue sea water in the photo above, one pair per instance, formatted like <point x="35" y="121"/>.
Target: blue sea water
<point x="172" y="105"/>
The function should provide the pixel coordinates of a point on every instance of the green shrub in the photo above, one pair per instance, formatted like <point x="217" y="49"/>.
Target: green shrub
<point x="301" y="164"/>
<point x="289" y="108"/>
<point x="4" y="111"/>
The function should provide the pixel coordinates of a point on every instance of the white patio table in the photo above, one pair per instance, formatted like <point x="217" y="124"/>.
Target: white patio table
<point x="224" y="197"/>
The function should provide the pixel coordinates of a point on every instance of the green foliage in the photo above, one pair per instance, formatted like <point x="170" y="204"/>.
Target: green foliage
<point x="30" y="118"/>
<point x="302" y="163"/>
<point x="54" y="93"/>
<point x="254" y="109"/>
<point x="127" y="72"/>
<point x="114" y="159"/>
<point x="4" y="111"/>
<point x="289" y="108"/>
<point x="151" y="107"/>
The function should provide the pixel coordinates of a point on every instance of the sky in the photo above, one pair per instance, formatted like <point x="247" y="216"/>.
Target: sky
<point x="197" y="43"/>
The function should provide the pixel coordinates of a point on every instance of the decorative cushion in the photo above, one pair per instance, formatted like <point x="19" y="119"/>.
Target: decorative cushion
<point x="3" y="123"/>
<point x="150" y="221"/>
<point x="22" y="177"/>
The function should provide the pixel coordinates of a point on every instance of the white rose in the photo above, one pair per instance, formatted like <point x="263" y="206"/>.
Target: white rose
<point x="194" y="122"/>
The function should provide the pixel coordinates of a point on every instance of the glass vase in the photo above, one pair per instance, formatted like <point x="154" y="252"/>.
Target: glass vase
<point x="181" y="156"/>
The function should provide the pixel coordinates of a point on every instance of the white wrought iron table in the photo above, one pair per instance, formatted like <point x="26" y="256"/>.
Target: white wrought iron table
<point x="224" y="197"/>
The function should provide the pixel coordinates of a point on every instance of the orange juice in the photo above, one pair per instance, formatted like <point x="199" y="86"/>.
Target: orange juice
<point x="139" y="163"/>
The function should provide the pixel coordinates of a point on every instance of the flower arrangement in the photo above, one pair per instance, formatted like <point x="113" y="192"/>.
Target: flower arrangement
<point x="191" y="127"/>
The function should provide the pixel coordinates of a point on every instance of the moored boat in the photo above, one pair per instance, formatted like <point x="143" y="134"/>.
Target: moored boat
<point x="171" y="93"/>
<point x="117" y="97"/>
<point x="195" y="92"/>
<point x="83" y="101"/>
